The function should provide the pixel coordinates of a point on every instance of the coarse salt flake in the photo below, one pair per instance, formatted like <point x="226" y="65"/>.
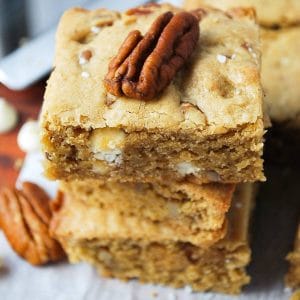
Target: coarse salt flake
<point x="221" y="58"/>
<point x="95" y="29"/>
<point x="85" y="74"/>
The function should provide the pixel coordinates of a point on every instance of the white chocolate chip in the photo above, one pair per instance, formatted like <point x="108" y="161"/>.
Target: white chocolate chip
<point x="107" y="144"/>
<point x="85" y="74"/>
<point x="29" y="137"/>
<point x="8" y="116"/>
<point x="112" y="156"/>
<point x="186" y="168"/>
<point x="233" y="56"/>
<point x="221" y="58"/>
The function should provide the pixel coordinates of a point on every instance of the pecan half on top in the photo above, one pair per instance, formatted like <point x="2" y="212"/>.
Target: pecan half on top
<point x="24" y="218"/>
<point x="144" y="66"/>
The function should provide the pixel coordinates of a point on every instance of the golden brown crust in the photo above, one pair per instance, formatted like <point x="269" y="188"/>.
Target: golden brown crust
<point x="80" y="99"/>
<point x="280" y="67"/>
<point x="24" y="218"/>
<point x="281" y="75"/>
<point x="270" y="13"/>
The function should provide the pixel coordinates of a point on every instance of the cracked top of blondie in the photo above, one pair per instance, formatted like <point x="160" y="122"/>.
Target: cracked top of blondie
<point x="218" y="89"/>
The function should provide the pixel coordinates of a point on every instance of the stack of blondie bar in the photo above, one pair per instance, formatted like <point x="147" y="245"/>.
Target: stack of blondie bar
<point x="158" y="190"/>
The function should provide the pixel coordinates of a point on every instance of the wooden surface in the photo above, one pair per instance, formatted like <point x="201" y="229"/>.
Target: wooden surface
<point x="27" y="103"/>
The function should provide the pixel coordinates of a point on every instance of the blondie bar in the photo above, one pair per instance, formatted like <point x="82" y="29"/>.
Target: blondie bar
<point x="293" y="276"/>
<point x="206" y="126"/>
<point x="281" y="75"/>
<point x="281" y="81"/>
<point x="195" y="213"/>
<point x="102" y="238"/>
<point x="270" y="13"/>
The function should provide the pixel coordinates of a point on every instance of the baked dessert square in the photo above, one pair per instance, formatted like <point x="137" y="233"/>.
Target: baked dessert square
<point x="293" y="276"/>
<point x="123" y="249"/>
<point x="206" y="126"/>
<point x="281" y="81"/>
<point x="270" y="13"/>
<point x="280" y="49"/>
<point x="281" y="75"/>
<point x="194" y="213"/>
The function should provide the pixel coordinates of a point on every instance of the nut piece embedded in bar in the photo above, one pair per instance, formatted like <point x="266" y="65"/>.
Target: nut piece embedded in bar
<point x="24" y="218"/>
<point x="144" y="66"/>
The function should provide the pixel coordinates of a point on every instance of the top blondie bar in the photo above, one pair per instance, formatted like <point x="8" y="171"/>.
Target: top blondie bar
<point x="205" y="126"/>
<point x="270" y="13"/>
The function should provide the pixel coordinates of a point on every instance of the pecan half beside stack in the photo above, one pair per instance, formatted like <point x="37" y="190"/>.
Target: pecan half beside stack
<point x="24" y="218"/>
<point x="144" y="66"/>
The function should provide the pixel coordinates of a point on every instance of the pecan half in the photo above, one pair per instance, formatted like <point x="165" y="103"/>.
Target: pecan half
<point x="24" y="218"/>
<point x="144" y="66"/>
